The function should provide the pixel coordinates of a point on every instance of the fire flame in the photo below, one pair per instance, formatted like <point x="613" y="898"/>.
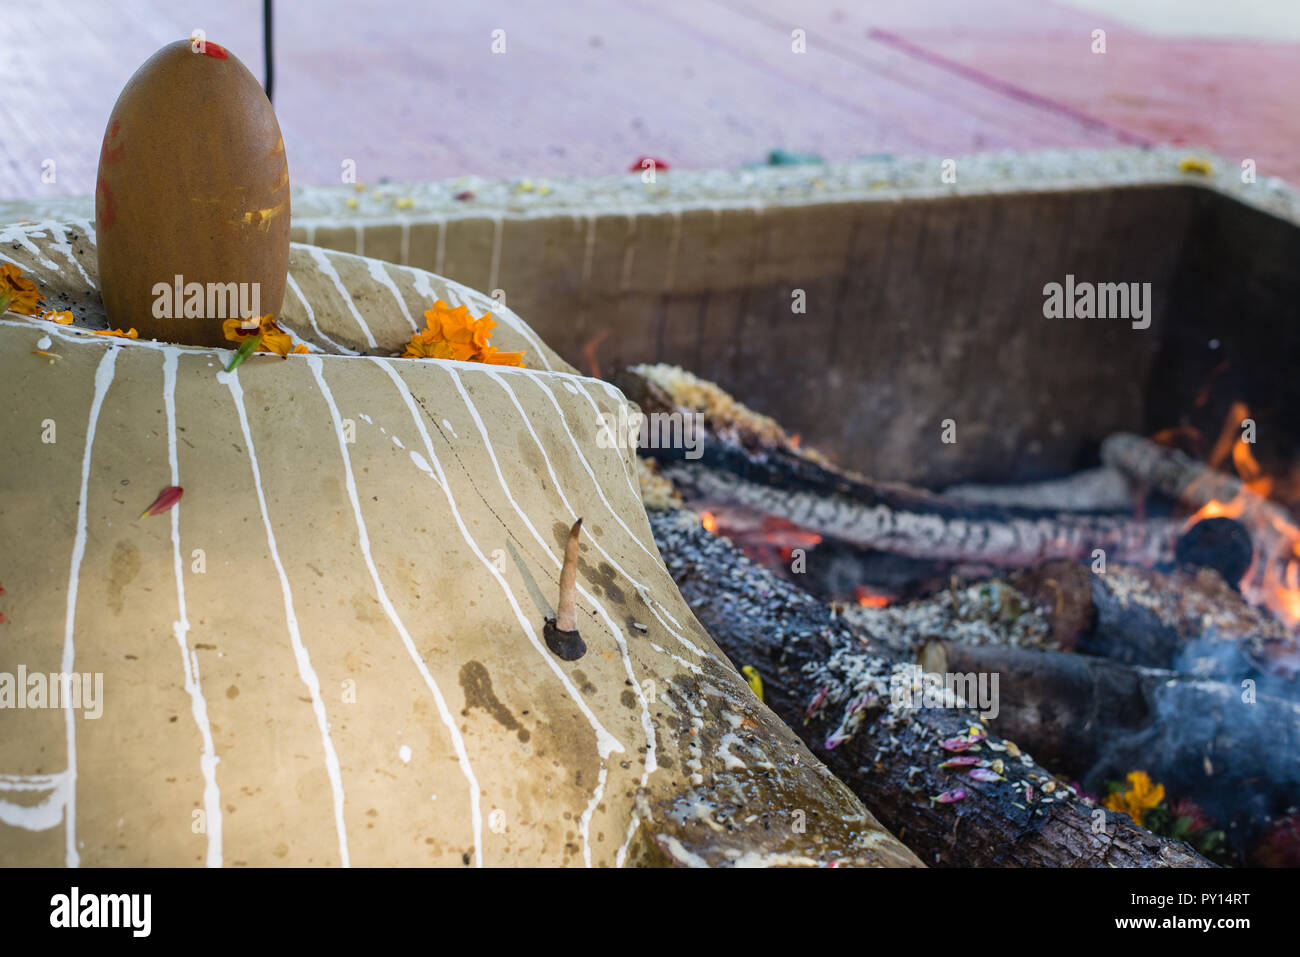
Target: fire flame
<point x="709" y="521"/>
<point x="1273" y="579"/>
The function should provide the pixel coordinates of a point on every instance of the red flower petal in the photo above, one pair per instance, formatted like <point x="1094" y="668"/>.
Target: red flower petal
<point x="165" y="500"/>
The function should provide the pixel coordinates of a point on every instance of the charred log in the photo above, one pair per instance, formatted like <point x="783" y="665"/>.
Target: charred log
<point x="1176" y="474"/>
<point x="1214" y="743"/>
<point x="834" y="689"/>
<point x="1219" y="543"/>
<point x="923" y="527"/>
<point x="744" y="459"/>
<point x="1102" y="489"/>
<point x="1186" y="620"/>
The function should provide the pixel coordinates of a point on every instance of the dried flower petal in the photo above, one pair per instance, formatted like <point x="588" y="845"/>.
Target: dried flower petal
<point x="985" y="775"/>
<point x="813" y="705"/>
<point x="165" y="500"/>
<point x="18" y="293"/>
<point x="950" y="797"/>
<point x="272" y="338"/>
<point x="964" y="761"/>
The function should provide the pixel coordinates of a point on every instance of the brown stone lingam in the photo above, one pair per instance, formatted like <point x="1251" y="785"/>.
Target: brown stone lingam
<point x="192" y="199"/>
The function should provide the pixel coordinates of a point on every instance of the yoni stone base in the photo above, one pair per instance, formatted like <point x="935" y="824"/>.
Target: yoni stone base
<point x="330" y="652"/>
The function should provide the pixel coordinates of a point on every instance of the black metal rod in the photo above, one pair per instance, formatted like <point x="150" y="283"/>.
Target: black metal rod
<point x="267" y="46"/>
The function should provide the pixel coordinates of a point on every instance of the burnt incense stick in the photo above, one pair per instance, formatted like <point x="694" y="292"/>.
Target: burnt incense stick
<point x="561" y="632"/>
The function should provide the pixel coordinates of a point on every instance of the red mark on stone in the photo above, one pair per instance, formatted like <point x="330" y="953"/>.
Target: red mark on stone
<point x="103" y="204"/>
<point x="111" y="156"/>
<point x="647" y="162"/>
<point x="216" y="51"/>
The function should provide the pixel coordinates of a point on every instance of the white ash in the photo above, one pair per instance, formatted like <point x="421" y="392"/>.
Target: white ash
<point x="984" y="613"/>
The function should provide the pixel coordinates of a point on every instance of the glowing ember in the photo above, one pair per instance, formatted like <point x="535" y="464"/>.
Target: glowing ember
<point x="709" y="521"/>
<point x="869" y="599"/>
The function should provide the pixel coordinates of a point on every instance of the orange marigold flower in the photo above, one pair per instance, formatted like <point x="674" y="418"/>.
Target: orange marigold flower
<point x="493" y="356"/>
<point x="132" y="334"/>
<point x="454" y="325"/>
<point x="452" y="333"/>
<point x="423" y="348"/>
<point x="17" y="293"/>
<point x="274" y="339"/>
<point x="63" y="318"/>
<point x="1140" y="797"/>
<point x="483" y="330"/>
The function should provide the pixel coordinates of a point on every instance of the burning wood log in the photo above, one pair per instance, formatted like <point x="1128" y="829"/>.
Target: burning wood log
<point x="746" y="460"/>
<point x="1176" y="474"/>
<point x="1187" y="620"/>
<point x="1274" y="578"/>
<point x="1209" y="742"/>
<point x="934" y="776"/>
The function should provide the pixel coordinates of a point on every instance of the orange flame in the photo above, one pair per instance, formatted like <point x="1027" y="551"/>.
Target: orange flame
<point x="709" y="521"/>
<point x="1273" y="579"/>
<point x="1216" y="509"/>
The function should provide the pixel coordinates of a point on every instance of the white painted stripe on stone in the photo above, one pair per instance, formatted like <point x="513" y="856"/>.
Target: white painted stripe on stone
<point x="606" y="743"/>
<point x="327" y="268"/>
<point x="457" y="742"/>
<point x="181" y="628"/>
<point x="311" y="317"/>
<point x="103" y="379"/>
<point x="303" y="658"/>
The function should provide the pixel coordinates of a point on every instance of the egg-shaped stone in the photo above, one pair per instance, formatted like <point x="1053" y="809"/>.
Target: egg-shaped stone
<point x="192" y="199"/>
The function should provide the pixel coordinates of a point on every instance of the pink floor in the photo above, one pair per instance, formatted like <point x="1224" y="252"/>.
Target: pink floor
<point x="411" y="90"/>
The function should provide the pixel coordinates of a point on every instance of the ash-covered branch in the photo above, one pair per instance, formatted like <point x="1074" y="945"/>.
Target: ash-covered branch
<point x="836" y="691"/>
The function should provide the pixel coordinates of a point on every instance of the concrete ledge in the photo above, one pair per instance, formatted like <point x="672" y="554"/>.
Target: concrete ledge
<point x="923" y="300"/>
